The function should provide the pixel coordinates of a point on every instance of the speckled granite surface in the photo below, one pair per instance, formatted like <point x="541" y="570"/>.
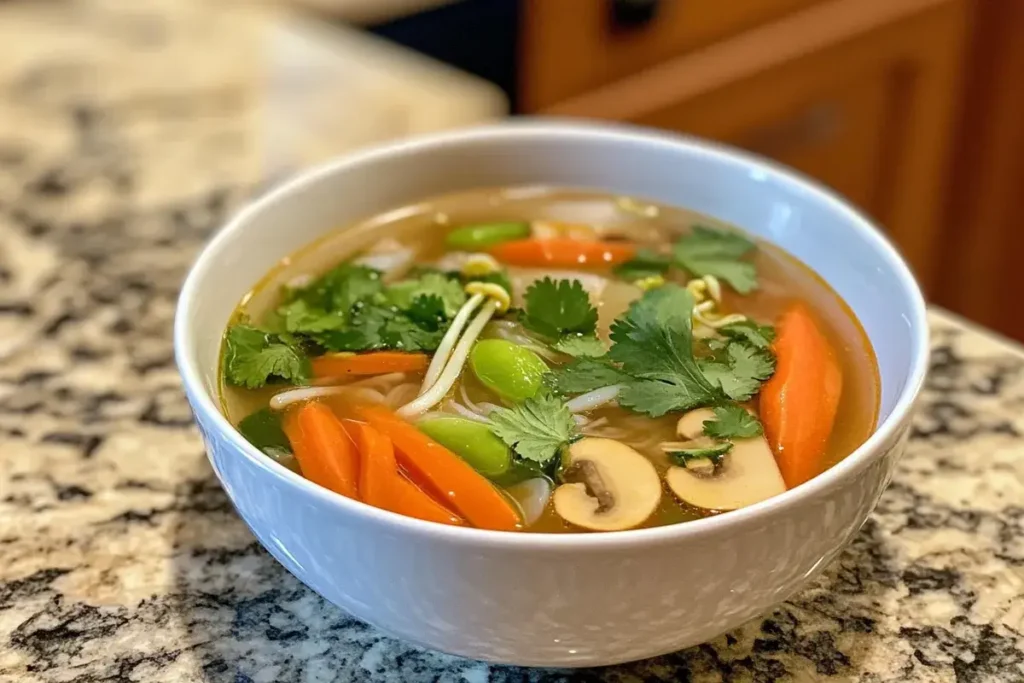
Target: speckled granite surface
<point x="122" y="560"/>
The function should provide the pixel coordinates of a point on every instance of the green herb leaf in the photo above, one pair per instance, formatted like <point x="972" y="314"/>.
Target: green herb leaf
<point x="299" y="318"/>
<point x="264" y="431"/>
<point x="646" y="263"/>
<point x="712" y="453"/>
<point x="717" y="252"/>
<point x="580" y="346"/>
<point x="654" y="344"/>
<point x="428" y="311"/>
<point x="583" y="375"/>
<point x="760" y="336"/>
<point x="536" y="429"/>
<point x="404" y="294"/>
<point x="377" y="327"/>
<point x="254" y="357"/>
<point x="739" y="370"/>
<point x="732" y="422"/>
<point x="557" y="308"/>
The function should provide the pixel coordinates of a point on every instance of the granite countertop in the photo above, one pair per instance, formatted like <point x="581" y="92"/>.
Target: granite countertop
<point x="122" y="559"/>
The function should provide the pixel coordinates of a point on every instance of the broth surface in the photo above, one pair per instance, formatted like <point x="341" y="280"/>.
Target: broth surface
<point x="782" y="280"/>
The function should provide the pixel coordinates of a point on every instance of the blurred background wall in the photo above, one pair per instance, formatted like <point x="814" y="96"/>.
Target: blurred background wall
<point x="913" y="109"/>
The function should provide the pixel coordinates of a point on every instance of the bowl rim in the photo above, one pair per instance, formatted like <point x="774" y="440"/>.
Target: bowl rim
<point x="534" y="129"/>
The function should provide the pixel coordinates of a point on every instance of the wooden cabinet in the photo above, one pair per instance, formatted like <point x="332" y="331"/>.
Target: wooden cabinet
<point x="571" y="46"/>
<point x="860" y="94"/>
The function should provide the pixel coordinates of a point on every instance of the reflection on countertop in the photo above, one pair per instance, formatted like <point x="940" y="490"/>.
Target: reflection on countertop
<point x="127" y="132"/>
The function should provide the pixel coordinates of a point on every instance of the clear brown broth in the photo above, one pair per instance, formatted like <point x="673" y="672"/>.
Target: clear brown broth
<point x="782" y="280"/>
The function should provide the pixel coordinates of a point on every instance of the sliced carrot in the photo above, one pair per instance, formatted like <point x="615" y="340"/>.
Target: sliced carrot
<point x="799" y="403"/>
<point x="323" y="448"/>
<point x="406" y="499"/>
<point x="447" y="476"/>
<point x="562" y="252"/>
<point x="373" y="363"/>
<point x="383" y="486"/>
<point x="378" y="468"/>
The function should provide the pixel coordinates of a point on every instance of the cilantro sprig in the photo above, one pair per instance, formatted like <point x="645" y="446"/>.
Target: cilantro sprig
<point x="561" y="312"/>
<point x="732" y="422"/>
<point x="254" y="357"/>
<point x="706" y="251"/>
<point x="537" y="429"/>
<point x="654" y="360"/>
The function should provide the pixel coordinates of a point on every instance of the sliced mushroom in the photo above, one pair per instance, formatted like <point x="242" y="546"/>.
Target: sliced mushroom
<point x="745" y="475"/>
<point x="691" y="425"/>
<point x="611" y="487"/>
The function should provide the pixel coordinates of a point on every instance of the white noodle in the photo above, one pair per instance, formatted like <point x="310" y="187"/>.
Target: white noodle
<point x="593" y="399"/>
<point x="444" y="349"/>
<point x="465" y="412"/>
<point x="400" y="394"/>
<point x="286" y="398"/>
<point x="487" y="408"/>
<point x="453" y="368"/>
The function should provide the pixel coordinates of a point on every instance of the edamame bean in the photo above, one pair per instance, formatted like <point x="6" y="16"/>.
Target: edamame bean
<point x="486" y="234"/>
<point x="513" y="372"/>
<point x="472" y="441"/>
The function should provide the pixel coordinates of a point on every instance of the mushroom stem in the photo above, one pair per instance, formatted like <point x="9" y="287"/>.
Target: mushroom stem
<point x="585" y="472"/>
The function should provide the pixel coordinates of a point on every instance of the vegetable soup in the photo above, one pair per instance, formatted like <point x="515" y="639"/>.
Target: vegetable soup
<point x="544" y="360"/>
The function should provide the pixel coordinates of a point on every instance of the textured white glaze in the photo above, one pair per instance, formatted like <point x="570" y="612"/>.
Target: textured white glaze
<point x="558" y="600"/>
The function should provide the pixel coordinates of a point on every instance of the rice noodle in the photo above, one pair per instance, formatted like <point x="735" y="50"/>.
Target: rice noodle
<point x="286" y="398"/>
<point x="508" y="333"/>
<point x="593" y="399"/>
<point x="400" y="394"/>
<point x="465" y="412"/>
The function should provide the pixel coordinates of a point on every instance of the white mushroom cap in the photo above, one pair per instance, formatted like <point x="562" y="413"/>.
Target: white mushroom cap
<point x="746" y="475"/>
<point x="619" y="488"/>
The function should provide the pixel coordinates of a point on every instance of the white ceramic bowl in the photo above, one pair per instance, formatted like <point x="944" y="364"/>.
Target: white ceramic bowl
<point x="557" y="600"/>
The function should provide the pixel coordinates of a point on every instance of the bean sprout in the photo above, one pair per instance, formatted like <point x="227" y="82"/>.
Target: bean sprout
<point x="593" y="399"/>
<point x="453" y="368"/>
<point x="444" y="349"/>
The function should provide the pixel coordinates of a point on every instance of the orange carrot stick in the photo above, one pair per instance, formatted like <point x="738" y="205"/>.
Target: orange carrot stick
<point x="562" y="252"/>
<point x="406" y="499"/>
<point x="447" y="476"/>
<point x="323" y="448"/>
<point x="383" y="486"/>
<point x="799" y="403"/>
<point x="373" y="363"/>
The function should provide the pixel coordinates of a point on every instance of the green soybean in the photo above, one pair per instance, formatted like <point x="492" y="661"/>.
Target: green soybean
<point x="473" y="441"/>
<point x="486" y="234"/>
<point x="513" y="372"/>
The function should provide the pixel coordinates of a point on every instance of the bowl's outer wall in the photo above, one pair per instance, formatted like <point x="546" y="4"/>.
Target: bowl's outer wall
<point x="546" y="606"/>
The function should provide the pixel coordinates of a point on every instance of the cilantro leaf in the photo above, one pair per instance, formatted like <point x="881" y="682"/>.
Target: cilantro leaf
<point x="712" y="453"/>
<point x="405" y="293"/>
<point x="717" y="252"/>
<point x="646" y="263"/>
<point x="739" y="370"/>
<point x="340" y="288"/>
<point x="264" y="431"/>
<point x="580" y="346"/>
<point x="373" y="328"/>
<point x="557" y="308"/>
<point x="536" y="429"/>
<point x="299" y="318"/>
<point x="428" y="311"/>
<point x="583" y="375"/>
<point x="732" y="422"/>
<point x="253" y="357"/>
<point x="760" y="336"/>
<point x="654" y="344"/>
